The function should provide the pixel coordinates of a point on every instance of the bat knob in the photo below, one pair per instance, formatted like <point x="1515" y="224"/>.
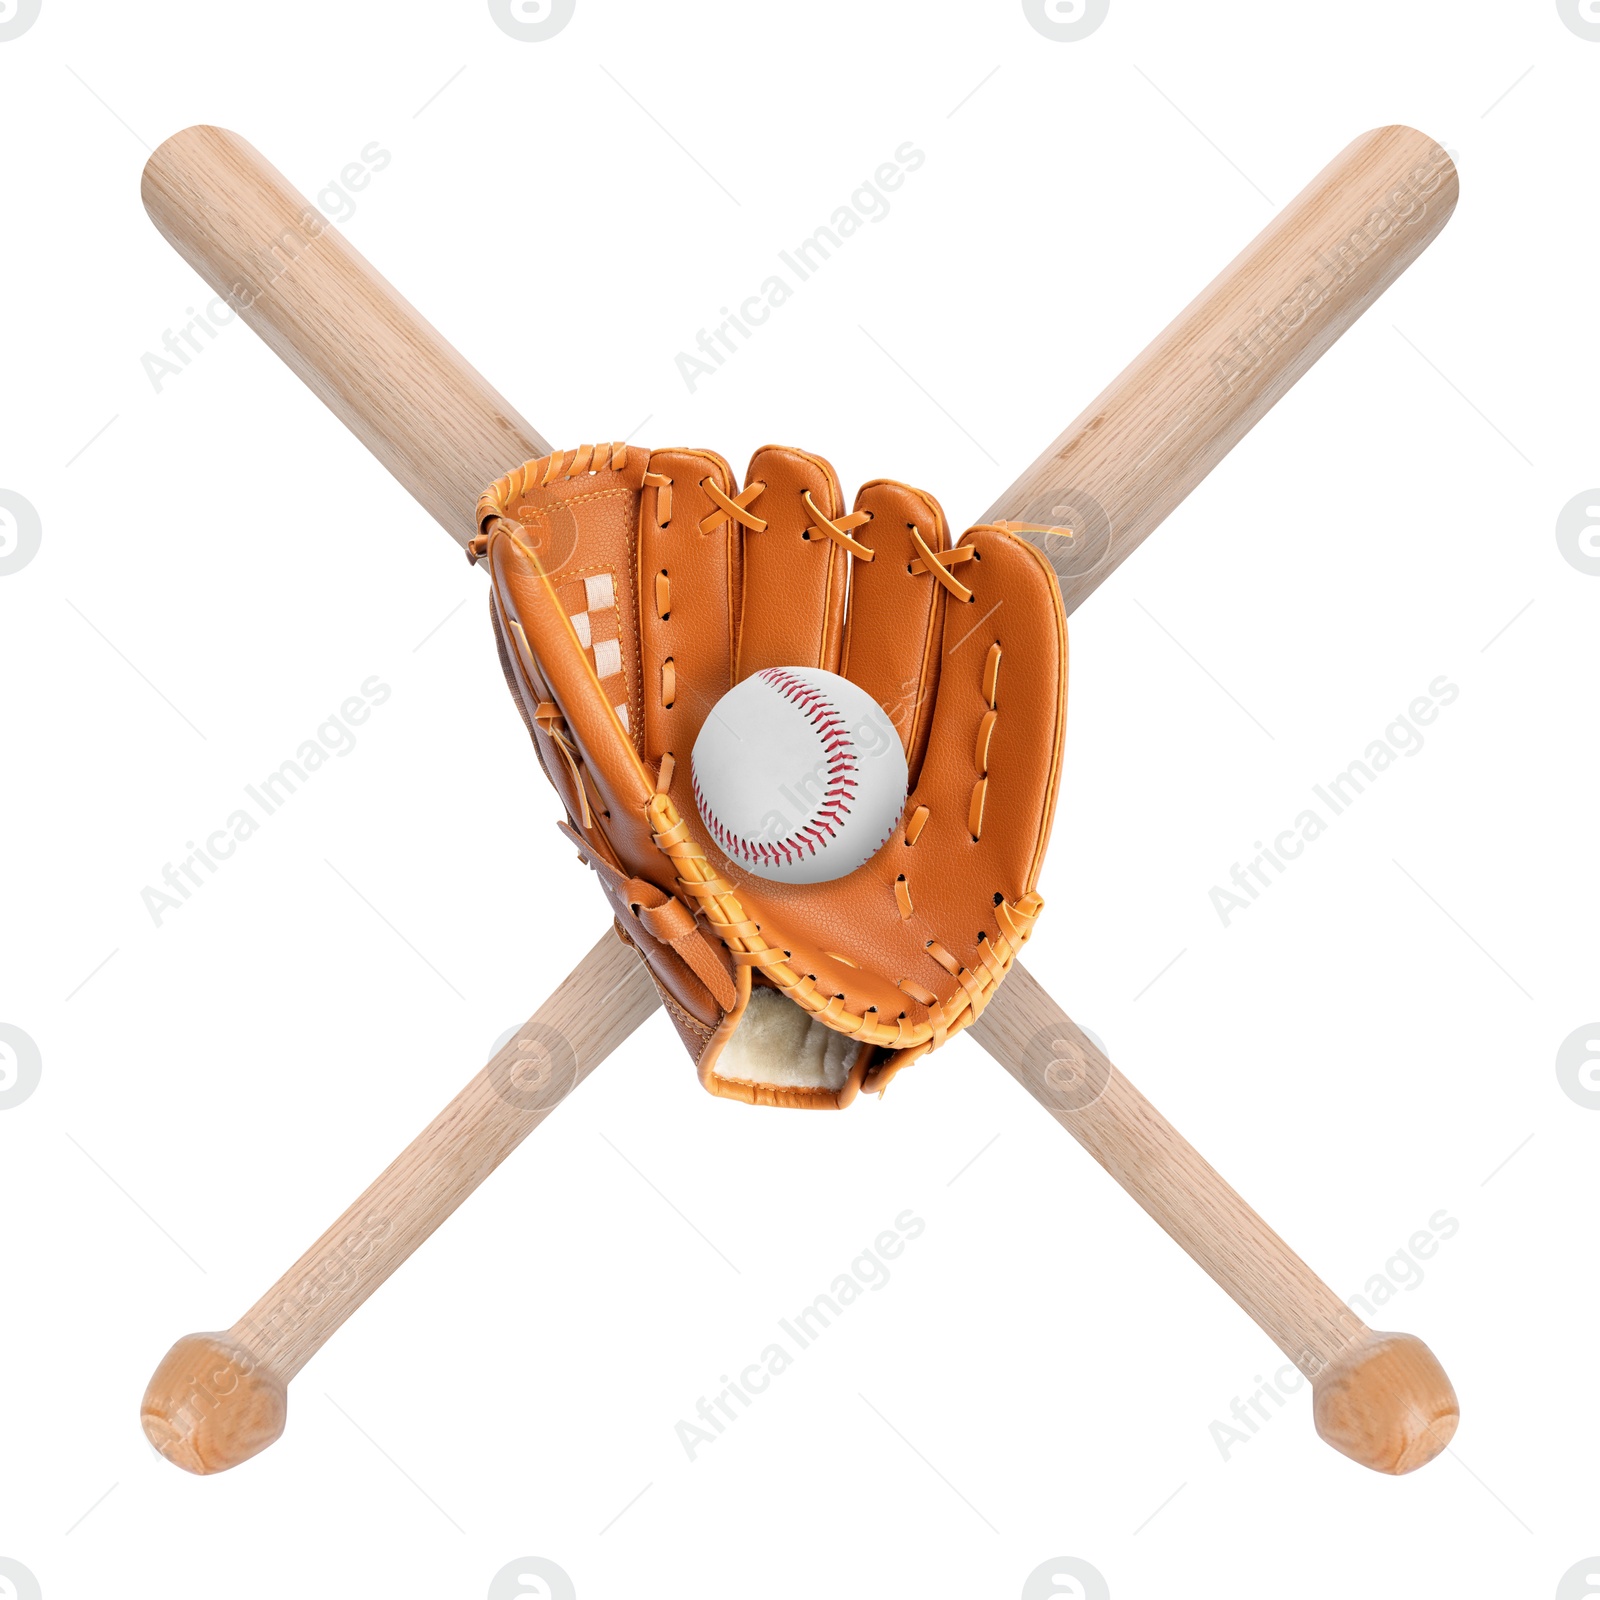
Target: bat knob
<point x="212" y="1404"/>
<point x="1386" y="1403"/>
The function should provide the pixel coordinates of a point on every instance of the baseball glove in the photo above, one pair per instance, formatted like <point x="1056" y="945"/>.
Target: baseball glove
<point x="633" y="589"/>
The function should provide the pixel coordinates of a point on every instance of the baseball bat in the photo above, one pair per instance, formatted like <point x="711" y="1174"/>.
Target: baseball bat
<point x="1138" y="449"/>
<point x="383" y="370"/>
<point x="1088" y="501"/>
<point x="1380" y="1398"/>
<point x="219" y="1398"/>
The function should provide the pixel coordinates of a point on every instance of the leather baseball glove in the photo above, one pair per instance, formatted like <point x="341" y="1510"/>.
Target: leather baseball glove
<point x="632" y="589"/>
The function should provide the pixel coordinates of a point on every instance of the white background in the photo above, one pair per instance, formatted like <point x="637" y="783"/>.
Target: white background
<point x="1372" y="1042"/>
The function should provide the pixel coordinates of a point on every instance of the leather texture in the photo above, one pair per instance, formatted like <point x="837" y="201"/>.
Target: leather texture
<point x="631" y="590"/>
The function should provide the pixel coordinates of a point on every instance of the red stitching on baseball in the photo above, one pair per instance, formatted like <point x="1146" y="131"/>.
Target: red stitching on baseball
<point x="832" y="809"/>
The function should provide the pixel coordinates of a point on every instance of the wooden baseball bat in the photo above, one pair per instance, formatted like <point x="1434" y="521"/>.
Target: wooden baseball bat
<point x="219" y="1398"/>
<point x="1098" y="491"/>
<point x="383" y="370"/>
<point x="1380" y="1398"/>
<point x="1140" y="447"/>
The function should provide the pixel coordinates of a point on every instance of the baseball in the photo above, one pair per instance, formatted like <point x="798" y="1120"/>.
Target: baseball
<point x="799" y="775"/>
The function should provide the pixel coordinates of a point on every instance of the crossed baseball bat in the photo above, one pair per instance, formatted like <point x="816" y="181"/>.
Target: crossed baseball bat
<point x="217" y="1399"/>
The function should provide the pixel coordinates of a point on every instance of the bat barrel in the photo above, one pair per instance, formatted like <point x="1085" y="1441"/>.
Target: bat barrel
<point x="1131" y="458"/>
<point x="364" y="350"/>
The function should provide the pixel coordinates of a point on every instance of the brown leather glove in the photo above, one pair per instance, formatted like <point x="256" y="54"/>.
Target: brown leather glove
<point x="633" y="589"/>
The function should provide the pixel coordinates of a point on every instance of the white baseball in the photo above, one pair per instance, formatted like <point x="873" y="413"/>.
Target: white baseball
<point x="799" y="775"/>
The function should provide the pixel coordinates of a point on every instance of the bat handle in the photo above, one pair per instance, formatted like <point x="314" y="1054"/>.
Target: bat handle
<point x="219" y="1398"/>
<point x="1380" y="1398"/>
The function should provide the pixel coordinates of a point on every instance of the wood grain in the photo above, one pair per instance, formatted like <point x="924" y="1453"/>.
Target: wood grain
<point x="1161" y="425"/>
<point x="215" y="1397"/>
<point x="1056" y="1062"/>
<point x="1393" y="1414"/>
<point x="343" y="329"/>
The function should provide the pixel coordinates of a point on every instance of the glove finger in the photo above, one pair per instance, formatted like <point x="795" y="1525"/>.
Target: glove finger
<point x="795" y="577"/>
<point x="979" y="819"/>
<point x="893" y="631"/>
<point x="689" y="582"/>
